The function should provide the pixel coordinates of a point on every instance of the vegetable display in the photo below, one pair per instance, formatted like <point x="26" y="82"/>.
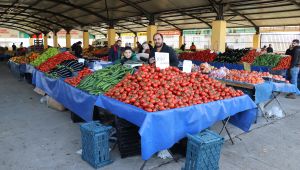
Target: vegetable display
<point x="153" y="89"/>
<point x="270" y="60"/>
<point x="33" y="56"/>
<point x="250" y="56"/>
<point x="284" y="63"/>
<point x="60" y="72"/>
<point x="244" y="76"/>
<point x="47" y="54"/>
<point x="102" y="80"/>
<point x="203" y="56"/>
<point x="52" y="62"/>
<point x="231" y="56"/>
<point x="74" y="81"/>
<point x="19" y="60"/>
<point x="73" y="64"/>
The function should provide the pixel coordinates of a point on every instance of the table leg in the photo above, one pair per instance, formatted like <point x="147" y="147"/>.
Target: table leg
<point x="227" y="131"/>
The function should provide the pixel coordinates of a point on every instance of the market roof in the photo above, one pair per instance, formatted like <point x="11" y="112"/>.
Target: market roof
<point x="34" y="16"/>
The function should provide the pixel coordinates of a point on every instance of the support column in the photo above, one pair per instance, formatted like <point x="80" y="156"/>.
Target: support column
<point x="218" y="37"/>
<point x="111" y="36"/>
<point x="31" y="40"/>
<point x="151" y="30"/>
<point x="85" y="39"/>
<point x="256" y="41"/>
<point x="181" y="40"/>
<point x="55" y="41"/>
<point x="135" y="40"/>
<point x="45" y="40"/>
<point x="68" y="39"/>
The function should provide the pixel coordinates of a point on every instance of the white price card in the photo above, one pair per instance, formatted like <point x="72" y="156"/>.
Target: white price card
<point x="162" y="60"/>
<point x="81" y="60"/>
<point x="187" y="66"/>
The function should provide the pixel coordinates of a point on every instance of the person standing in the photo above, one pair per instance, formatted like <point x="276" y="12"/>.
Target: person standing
<point x="182" y="48"/>
<point x="270" y="49"/>
<point x="14" y="47"/>
<point x="21" y="45"/>
<point x="289" y="50"/>
<point x="115" y="52"/>
<point x="295" y="66"/>
<point x="193" y="47"/>
<point x="78" y="50"/>
<point x="160" y="46"/>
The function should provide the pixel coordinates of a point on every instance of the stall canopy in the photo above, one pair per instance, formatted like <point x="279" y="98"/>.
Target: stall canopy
<point x="34" y="16"/>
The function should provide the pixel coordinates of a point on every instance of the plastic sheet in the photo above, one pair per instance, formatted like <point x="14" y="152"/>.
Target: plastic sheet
<point x="285" y="88"/>
<point x="79" y="102"/>
<point x="263" y="92"/>
<point x="160" y="130"/>
<point x="29" y="68"/>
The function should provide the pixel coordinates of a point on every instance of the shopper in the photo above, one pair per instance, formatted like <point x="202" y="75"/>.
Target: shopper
<point x="270" y="49"/>
<point x="128" y="55"/>
<point x="115" y="51"/>
<point x="193" y="47"/>
<point x="182" y="48"/>
<point x="295" y="64"/>
<point x="289" y="50"/>
<point x="160" y="46"/>
<point x="14" y="47"/>
<point x="150" y="45"/>
<point x="139" y="47"/>
<point x="78" y="49"/>
<point x="21" y="45"/>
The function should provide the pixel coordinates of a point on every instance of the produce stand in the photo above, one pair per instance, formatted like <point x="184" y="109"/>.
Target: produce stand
<point x="161" y="130"/>
<point x="72" y="98"/>
<point x="265" y="91"/>
<point x="18" y="70"/>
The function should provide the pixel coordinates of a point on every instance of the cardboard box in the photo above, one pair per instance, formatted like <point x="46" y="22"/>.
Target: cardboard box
<point x="51" y="103"/>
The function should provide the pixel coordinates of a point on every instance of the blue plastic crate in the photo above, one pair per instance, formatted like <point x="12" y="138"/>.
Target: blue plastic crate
<point x="203" y="151"/>
<point x="95" y="144"/>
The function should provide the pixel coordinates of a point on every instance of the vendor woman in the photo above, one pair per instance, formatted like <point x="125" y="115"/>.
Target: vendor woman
<point x="128" y="55"/>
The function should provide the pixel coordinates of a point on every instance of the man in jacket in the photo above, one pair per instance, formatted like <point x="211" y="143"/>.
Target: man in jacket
<point x="115" y="52"/>
<point x="160" y="46"/>
<point x="295" y="66"/>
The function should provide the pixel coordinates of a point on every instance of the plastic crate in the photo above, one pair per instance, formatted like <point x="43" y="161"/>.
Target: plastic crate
<point x="129" y="140"/>
<point x="203" y="151"/>
<point x="95" y="144"/>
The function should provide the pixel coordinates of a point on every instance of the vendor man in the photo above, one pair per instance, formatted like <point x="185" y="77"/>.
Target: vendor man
<point x="295" y="66"/>
<point x="160" y="46"/>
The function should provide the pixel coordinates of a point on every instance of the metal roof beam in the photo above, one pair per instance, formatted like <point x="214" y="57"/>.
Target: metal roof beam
<point x="27" y="31"/>
<point x="80" y="8"/>
<point x="46" y="11"/>
<point x="37" y="17"/>
<point x="248" y="19"/>
<point x="31" y="22"/>
<point x="21" y="26"/>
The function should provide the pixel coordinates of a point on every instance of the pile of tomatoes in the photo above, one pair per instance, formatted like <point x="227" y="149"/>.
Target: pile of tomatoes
<point x="244" y="76"/>
<point x="153" y="89"/>
<point x="74" y="81"/>
<point x="203" y="56"/>
<point x="284" y="63"/>
<point x="250" y="56"/>
<point x="52" y="62"/>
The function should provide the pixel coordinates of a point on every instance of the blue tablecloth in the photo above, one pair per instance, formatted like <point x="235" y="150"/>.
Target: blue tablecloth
<point x="160" y="130"/>
<point x="234" y="66"/>
<point x="79" y="102"/>
<point x="16" y="69"/>
<point x="29" y="68"/>
<point x="263" y="92"/>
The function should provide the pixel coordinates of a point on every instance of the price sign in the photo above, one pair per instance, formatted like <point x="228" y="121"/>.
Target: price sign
<point x="81" y="60"/>
<point x="187" y="66"/>
<point x="247" y="66"/>
<point x="162" y="60"/>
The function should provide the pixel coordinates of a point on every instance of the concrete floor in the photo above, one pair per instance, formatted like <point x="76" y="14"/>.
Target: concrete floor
<point x="35" y="137"/>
